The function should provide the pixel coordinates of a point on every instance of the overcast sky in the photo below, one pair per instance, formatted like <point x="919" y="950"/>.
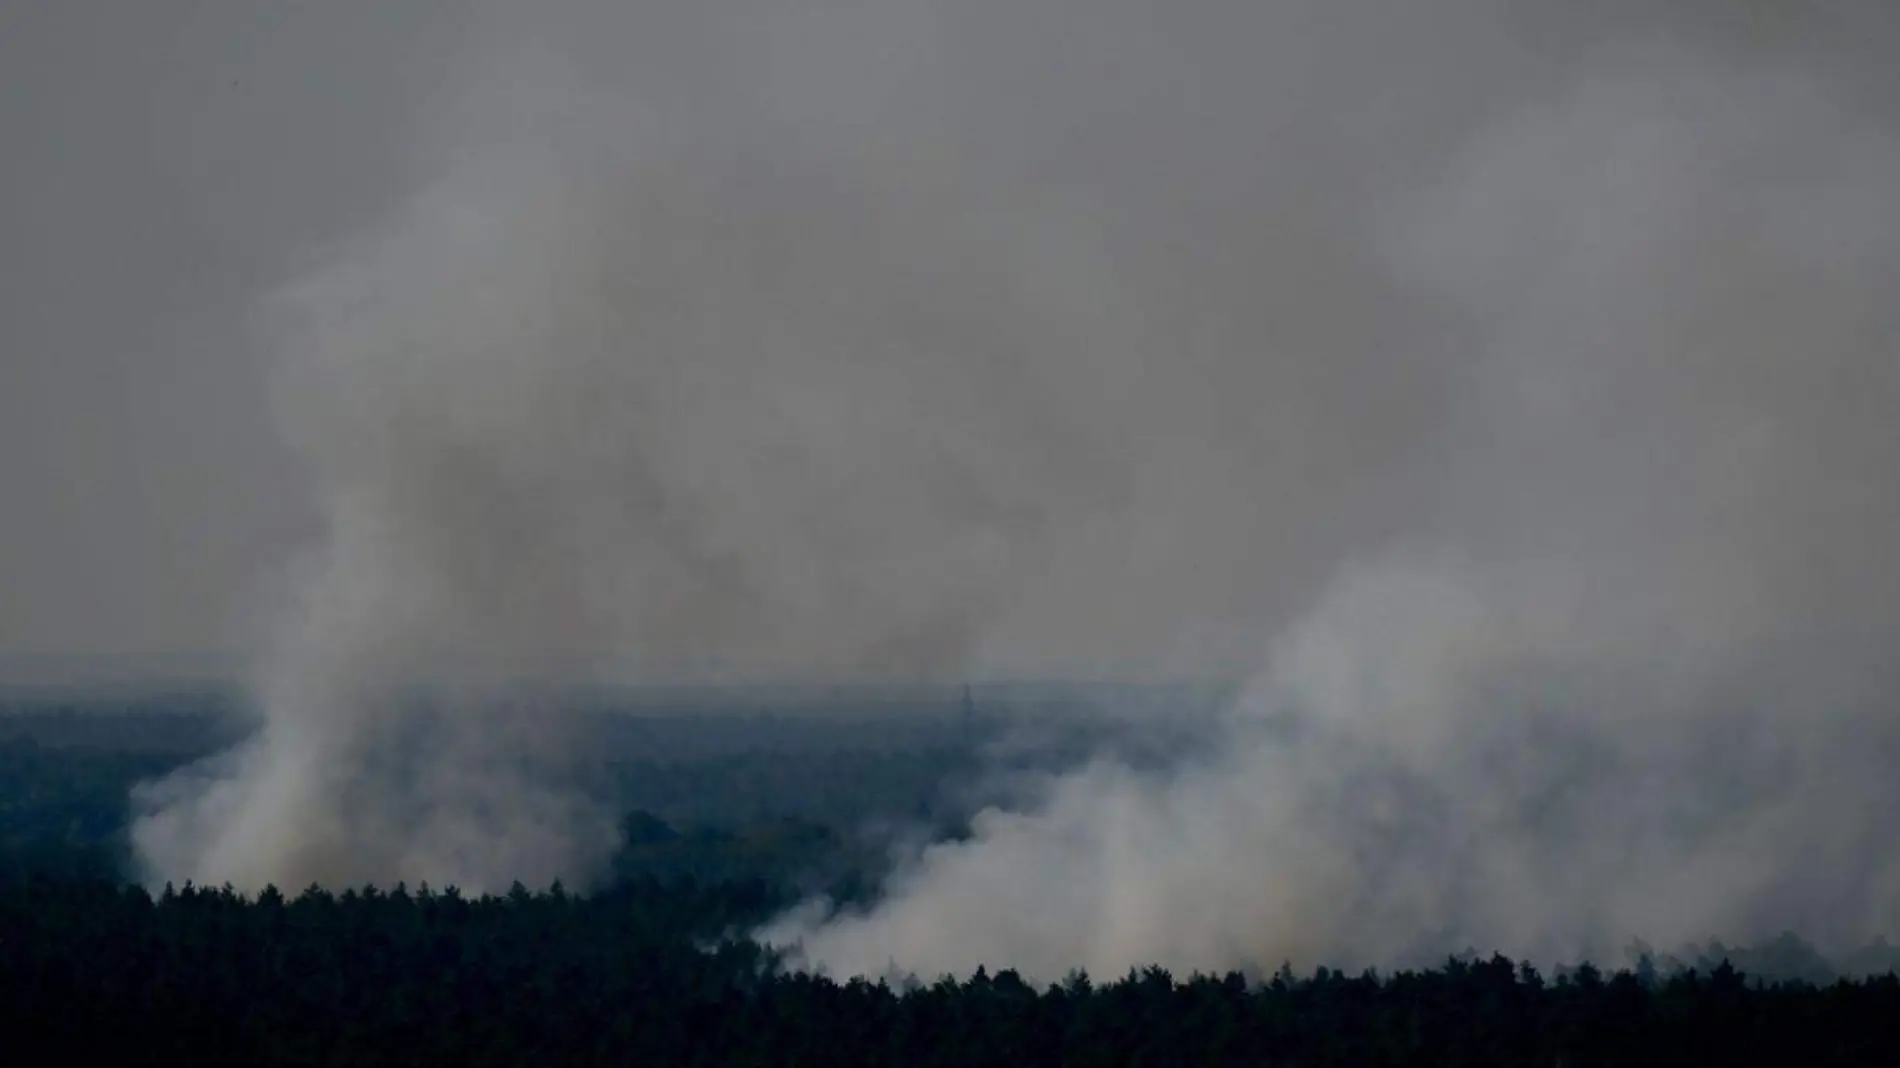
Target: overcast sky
<point x="164" y="162"/>
<point x="166" y="165"/>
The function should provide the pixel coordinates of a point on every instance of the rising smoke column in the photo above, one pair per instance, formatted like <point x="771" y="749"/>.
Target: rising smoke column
<point x="593" y="405"/>
<point x="455" y="568"/>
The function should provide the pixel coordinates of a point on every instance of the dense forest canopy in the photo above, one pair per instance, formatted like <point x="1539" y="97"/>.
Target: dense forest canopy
<point x="727" y="820"/>
<point x="804" y="796"/>
<point x="641" y="974"/>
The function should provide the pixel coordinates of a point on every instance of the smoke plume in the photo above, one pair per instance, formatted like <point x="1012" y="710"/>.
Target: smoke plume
<point x="1506" y="393"/>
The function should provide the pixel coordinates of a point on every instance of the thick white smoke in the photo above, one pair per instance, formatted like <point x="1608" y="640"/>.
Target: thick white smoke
<point x="1516" y="413"/>
<point x="1625" y="673"/>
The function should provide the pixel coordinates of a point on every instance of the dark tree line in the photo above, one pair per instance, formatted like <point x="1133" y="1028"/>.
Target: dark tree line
<point x="645" y="974"/>
<point x="652" y="969"/>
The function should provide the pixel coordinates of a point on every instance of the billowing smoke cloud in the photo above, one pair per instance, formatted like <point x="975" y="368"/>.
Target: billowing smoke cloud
<point x="1512" y="407"/>
<point x="1625" y="671"/>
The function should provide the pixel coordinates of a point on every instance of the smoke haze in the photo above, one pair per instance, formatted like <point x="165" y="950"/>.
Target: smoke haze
<point x="1505" y="391"/>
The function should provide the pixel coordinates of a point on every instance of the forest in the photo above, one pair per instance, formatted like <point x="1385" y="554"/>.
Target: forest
<point x="727" y="819"/>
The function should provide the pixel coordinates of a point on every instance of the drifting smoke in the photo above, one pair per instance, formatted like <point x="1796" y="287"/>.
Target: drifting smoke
<point x="1516" y="413"/>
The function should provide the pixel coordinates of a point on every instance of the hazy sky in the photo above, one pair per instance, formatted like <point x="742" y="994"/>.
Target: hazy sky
<point x="167" y="165"/>
<point x="164" y="163"/>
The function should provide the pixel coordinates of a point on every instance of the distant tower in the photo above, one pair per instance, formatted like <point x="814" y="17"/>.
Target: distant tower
<point x="969" y="715"/>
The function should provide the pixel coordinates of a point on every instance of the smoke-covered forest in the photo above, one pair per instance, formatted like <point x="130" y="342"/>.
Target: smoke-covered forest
<point x="950" y="531"/>
<point x="726" y="820"/>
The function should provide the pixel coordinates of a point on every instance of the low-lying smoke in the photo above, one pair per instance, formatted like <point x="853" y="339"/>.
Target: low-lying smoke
<point x="1516" y="414"/>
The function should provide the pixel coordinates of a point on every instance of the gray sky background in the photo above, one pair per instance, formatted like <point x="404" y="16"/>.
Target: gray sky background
<point x="168" y="164"/>
<point x="164" y="164"/>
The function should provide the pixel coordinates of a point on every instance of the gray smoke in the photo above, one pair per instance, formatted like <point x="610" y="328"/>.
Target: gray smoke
<point x="1506" y="392"/>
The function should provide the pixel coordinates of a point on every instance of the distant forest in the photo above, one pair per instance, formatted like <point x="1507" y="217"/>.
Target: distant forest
<point x="726" y="819"/>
